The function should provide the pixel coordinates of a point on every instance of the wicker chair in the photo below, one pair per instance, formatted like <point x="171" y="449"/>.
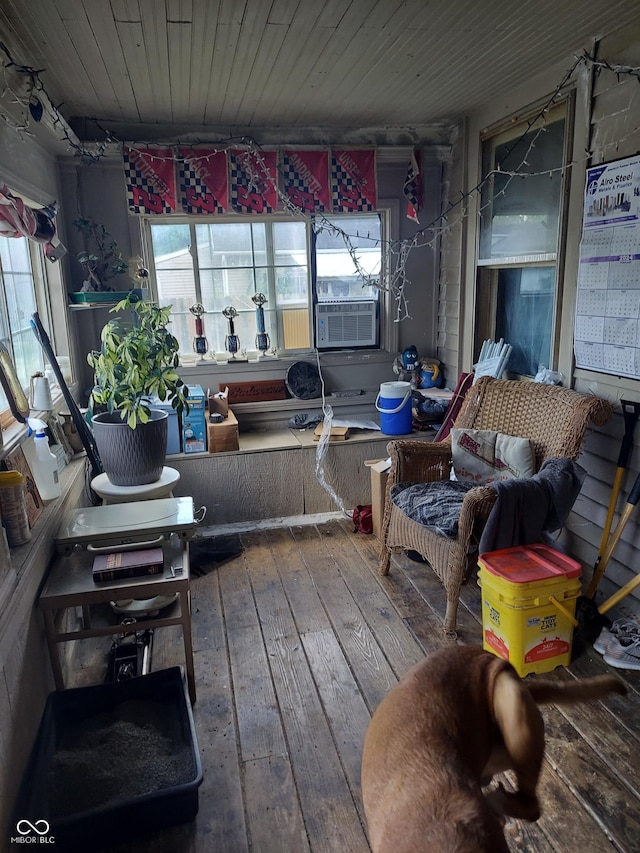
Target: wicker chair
<point x="555" y="419"/>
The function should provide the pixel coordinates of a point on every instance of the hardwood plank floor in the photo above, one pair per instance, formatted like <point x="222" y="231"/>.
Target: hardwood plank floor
<point x="296" y="641"/>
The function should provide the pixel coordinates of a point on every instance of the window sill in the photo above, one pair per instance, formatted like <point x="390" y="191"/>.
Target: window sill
<point x="341" y="357"/>
<point x="15" y="432"/>
<point x="29" y="562"/>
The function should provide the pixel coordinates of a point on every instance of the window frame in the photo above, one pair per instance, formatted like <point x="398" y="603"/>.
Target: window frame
<point x="43" y="305"/>
<point x="388" y="212"/>
<point x="488" y="270"/>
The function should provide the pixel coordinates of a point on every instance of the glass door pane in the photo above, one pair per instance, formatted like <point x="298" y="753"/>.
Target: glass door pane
<point x="525" y="316"/>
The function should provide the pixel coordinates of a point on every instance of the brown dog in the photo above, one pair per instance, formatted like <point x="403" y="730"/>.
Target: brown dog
<point x="454" y="720"/>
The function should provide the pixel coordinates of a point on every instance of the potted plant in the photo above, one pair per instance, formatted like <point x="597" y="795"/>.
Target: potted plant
<point x="136" y="362"/>
<point x="101" y="259"/>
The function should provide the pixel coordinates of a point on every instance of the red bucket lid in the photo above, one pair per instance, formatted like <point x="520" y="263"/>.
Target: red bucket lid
<point x="530" y="563"/>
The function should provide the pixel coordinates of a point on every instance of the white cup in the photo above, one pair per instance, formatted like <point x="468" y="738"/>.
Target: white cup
<point x="40" y="393"/>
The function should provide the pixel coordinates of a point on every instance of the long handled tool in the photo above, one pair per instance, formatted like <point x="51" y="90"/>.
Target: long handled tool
<point x="631" y="412"/>
<point x="81" y="425"/>
<point x="589" y="616"/>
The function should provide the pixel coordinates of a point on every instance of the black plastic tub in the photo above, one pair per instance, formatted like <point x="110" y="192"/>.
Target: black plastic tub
<point x="113" y="762"/>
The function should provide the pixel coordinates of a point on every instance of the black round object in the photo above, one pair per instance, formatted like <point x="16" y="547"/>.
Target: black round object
<point x="303" y="381"/>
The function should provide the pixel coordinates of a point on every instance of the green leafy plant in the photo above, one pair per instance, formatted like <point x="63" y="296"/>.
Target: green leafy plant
<point x="136" y="361"/>
<point x="102" y="259"/>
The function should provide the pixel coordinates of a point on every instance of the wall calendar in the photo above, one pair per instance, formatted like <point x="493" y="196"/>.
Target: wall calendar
<point x="607" y="327"/>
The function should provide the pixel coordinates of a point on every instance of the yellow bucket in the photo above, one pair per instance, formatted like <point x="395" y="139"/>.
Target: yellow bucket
<point x="529" y="598"/>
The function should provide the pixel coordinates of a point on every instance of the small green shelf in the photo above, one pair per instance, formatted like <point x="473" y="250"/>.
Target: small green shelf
<point x="111" y="296"/>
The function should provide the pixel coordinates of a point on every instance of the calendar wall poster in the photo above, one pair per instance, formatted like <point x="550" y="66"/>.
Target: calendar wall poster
<point x="607" y="328"/>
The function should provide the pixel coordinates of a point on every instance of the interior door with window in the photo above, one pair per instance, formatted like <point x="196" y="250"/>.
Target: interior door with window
<point x="518" y="292"/>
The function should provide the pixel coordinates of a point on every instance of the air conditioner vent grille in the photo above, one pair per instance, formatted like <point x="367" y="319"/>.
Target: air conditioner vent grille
<point x="345" y="324"/>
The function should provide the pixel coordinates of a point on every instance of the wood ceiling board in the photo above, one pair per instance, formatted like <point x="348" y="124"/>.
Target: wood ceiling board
<point x="103" y="26"/>
<point x="130" y="34"/>
<point x="179" y="45"/>
<point x="226" y="43"/>
<point x="205" y="21"/>
<point x="254" y="99"/>
<point x="179" y="49"/>
<point x="242" y="72"/>
<point x="154" y="29"/>
<point x="302" y="39"/>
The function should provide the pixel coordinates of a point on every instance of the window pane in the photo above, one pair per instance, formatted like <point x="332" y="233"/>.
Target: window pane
<point x="347" y="249"/>
<point x="292" y="272"/>
<point x="291" y="285"/>
<point x="173" y="264"/>
<point x="520" y="215"/>
<point x="175" y="279"/>
<point x="290" y="243"/>
<point x="525" y="316"/>
<point x="18" y="296"/>
<point x="231" y="244"/>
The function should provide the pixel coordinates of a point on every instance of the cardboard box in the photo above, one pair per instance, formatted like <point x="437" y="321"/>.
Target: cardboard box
<point x="224" y="436"/>
<point x="379" y="475"/>
<point x="194" y="429"/>
<point x="195" y="398"/>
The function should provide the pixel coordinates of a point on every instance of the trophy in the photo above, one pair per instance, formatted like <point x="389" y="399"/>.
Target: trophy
<point x="232" y="341"/>
<point x="200" y="341"/>
<point x="262" y="338"/>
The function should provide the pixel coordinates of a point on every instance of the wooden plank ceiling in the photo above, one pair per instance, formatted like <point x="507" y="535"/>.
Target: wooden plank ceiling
<point x="148" y="69"/>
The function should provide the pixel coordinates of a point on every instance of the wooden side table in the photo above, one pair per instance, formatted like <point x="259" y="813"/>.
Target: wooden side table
<point x="70" y="584"/>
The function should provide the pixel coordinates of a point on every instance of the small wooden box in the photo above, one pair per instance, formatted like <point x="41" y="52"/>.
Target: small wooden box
<point x="224" y="436"/>
<point x="379" y="475"/>
<point x="339" y="433"/>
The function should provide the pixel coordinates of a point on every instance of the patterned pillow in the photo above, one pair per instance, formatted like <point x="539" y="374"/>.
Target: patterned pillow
<point x="483" y="456"/>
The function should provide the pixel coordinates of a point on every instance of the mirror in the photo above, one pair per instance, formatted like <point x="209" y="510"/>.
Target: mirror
<point x="16" y="397"/>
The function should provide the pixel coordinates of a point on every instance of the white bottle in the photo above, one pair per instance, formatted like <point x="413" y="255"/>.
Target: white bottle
<point x="45" y="468"/>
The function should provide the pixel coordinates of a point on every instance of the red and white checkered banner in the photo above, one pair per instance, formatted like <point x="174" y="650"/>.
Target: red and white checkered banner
<point x="202" y="180"/>
<point x="305" y="179"/>
<point x="209" y="181"/>
<point x="253" y="177"/>
<point x="353" y="180"/>
<point x="412" y="188"/>
<point x="150" y="179"/>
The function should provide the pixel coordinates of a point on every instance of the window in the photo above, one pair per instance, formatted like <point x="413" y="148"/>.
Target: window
<point x="20" y="274"/>
<point x="520" y="235"/>
<point x="293" y="263"/>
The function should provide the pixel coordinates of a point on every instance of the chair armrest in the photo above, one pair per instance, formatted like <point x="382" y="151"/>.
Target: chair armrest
<point x="419" y="461"/>
<point x="476" y="507"/>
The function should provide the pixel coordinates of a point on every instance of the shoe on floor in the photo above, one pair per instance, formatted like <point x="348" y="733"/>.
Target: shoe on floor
<point x="620" y="628"/>
<point x="623" y="653"/>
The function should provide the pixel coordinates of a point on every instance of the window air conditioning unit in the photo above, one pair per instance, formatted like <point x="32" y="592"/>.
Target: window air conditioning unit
<point x="346" y="324"/>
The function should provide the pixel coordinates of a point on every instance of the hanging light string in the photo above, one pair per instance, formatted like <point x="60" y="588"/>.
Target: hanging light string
<point x="25" y="85"/>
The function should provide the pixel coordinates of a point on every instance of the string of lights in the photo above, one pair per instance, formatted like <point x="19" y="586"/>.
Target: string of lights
<point x="26" y="87"/>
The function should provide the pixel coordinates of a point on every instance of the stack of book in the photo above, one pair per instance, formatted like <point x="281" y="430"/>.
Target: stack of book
<point x="128" y="564"/>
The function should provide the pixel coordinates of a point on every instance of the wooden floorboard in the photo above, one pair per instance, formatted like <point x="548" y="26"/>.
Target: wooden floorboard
<point x="296" y="641"/>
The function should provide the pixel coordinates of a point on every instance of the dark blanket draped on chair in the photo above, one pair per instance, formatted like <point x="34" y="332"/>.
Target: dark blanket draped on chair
<point x="526" y="509"/>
